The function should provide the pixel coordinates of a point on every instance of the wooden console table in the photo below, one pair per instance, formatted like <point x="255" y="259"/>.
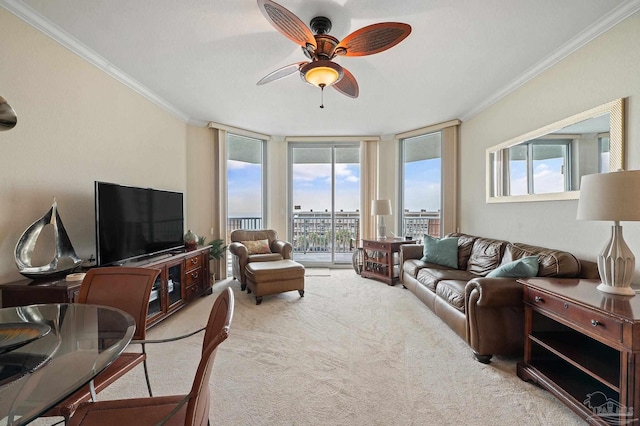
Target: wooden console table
<point x="583" y="346"/>
<point x="379" y="261"/>
<point x="183" y="276"/>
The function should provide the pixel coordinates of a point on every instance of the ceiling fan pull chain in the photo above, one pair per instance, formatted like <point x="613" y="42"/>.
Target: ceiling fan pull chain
<point x="322" y="96"/>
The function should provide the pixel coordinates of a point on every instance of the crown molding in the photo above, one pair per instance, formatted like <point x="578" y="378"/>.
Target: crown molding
<point x="31" y="17"/>
<point x="37" y="21"/>
<point x="613" y="18"/>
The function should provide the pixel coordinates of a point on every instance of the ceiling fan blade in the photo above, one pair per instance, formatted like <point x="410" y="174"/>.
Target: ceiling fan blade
<point x="287" y="23"/>
<point x="347" y="85"/>
<point x="281" y="73"/>
<point x="373" y="39"/>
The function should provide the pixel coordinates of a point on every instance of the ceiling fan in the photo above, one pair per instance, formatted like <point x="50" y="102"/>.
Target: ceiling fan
<point x="321" y="48"/>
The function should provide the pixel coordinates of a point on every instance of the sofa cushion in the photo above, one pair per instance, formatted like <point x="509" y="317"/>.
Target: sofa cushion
<point x="413" y="266"/>
<point x="429" y="277"/>
<point x="465" y="243"/>
<point x="524" y="267"/>
<point x="452" y="291"/>
<point x="441" y="251"/>
<point x="270" y="257"/>
<point x="486" y="255"/>
<point x="552" y="263"/>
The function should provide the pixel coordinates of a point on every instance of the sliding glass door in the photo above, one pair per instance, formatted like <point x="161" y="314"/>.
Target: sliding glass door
<point x="325" y="201"/>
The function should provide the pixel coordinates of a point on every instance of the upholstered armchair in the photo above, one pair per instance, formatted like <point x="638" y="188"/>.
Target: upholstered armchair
<point x="255" y="246"/>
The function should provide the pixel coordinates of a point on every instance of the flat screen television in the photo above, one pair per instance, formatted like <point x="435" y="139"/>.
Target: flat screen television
<point x="132" y="223"/>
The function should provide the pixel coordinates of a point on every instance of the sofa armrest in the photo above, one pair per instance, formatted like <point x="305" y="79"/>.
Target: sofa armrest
<point x="239" y="249"/>
<point x="283" y="247"/>
<point x="411" y="251"/>
<point x="494" y="292"/>
<point x="239" y="259"/>
<point x="495" y="317"/>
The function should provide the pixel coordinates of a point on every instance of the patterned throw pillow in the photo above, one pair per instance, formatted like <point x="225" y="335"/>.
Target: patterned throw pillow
<point x="257" y="247"/>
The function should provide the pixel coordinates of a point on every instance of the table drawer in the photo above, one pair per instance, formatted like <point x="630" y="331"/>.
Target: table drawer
<point x="193" y="262"/>
<point x="377" y="245"/>
<point x="588" y="320"/>
<point x="194" y="277"/>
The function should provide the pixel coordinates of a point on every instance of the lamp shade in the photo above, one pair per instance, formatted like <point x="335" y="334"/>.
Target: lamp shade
<point x="380" y="207"/>
<point x="613" y="196"/>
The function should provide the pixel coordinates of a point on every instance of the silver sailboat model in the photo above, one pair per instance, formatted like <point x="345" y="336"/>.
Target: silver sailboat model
<point x="65" y="258"/>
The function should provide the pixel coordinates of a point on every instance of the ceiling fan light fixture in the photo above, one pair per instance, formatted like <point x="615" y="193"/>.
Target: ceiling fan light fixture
<point x="322" y="73"/>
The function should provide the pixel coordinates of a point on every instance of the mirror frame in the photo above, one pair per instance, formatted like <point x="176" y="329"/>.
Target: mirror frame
<point x="615" y="109"/>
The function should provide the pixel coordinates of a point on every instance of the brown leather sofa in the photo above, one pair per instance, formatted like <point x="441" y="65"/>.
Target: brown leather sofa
<point x="488" y="313"/>
<point x="279" y="250"/>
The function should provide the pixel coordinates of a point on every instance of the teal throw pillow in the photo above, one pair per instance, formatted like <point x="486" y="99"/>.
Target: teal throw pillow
<point x="441" y="251"/>
<point x="521" y="268"/>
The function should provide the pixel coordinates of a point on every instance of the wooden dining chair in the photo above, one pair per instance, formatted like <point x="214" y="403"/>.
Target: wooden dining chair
<point x="125" y="288"/>
<point x="191" y="409"/>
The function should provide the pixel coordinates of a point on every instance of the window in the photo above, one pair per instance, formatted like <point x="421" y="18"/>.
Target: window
<point x="421" y="185"/>
<point x="245" y="182"/>
<point x="539" y="167"/>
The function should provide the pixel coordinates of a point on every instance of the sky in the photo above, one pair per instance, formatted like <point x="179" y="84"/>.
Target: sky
<point x="422" y="185"/>
<point x="547" y="176"/>
<point x="312" y="187"/>
<point x="245" y="197"/>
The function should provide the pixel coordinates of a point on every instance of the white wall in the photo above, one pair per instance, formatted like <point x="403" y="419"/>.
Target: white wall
<point x="75" y="125"/>
<point x="201" y="181"/>
<point x="606" y="69"/>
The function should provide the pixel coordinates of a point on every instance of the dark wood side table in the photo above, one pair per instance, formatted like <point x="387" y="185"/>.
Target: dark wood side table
<point x="379" y="259"/>
<point x="583" y="346"/>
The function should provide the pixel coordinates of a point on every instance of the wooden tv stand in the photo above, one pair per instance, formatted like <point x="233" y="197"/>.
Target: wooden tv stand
<point x="183" y="276"/>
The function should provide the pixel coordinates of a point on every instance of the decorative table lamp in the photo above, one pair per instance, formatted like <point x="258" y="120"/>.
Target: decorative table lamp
<point x="613" y="196"/>
<point x="381" y="208"/>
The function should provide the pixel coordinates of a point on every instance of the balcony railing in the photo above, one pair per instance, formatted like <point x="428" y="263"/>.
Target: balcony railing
<point x="417" y="224"/>
<point x="312" y="231"/>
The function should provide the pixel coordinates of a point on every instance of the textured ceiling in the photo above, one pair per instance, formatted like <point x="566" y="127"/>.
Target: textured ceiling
<point x="202" y="59"/>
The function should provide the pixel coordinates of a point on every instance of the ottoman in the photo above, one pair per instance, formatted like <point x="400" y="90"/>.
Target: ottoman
<point x="273" y="277"/>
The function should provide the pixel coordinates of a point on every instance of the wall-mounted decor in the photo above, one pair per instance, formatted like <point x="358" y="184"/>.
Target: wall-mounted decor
<point x="65" y="259"/>
<point x="8" y="117"/>
<point x="548" y="163"/>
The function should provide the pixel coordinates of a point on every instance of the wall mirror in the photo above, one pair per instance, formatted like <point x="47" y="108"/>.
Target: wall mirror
<point x="548" y="163"/>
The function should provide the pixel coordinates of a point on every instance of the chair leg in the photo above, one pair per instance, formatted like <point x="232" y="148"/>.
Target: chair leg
<point x="258" y="300"/>
<point x="146" y="371"/>
<point x="92" y="391"/>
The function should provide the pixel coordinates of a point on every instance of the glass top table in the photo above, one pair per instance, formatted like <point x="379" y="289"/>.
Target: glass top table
<point x="49" y="351"/>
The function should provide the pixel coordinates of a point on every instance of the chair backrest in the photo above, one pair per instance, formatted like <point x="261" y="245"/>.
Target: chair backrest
<point x="239" y="235"/>
<point x="216" y="332"/>
<point x="125" y="288"/>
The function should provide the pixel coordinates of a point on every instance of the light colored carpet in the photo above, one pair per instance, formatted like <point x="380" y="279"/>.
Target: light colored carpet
<point x="353" y="351"/>
<point x="317" y="272"/>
